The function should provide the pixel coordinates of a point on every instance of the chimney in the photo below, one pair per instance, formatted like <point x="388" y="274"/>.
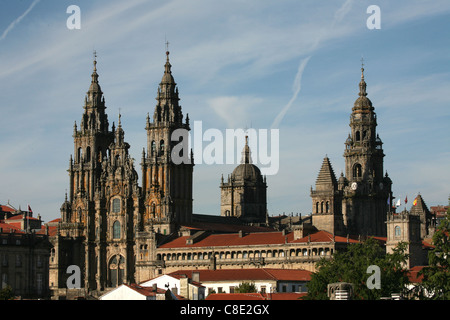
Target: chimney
<point x="184" y="287"/>
<point x="298" y="233"/>
<point x="196" y="276"/>
<point x="155" y="287"/>
<point x="241" y="233"/>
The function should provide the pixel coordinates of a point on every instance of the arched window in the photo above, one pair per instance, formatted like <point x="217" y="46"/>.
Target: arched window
<point x="88" y="154"/>
<point x="78" y="217"/>
<point x="153" y="148"/>
<point x="357" y="136"/>
<point x="116" y="271"/>
<point x="317" y="207"/>
<point x="357" y="171"/>
<point x="116" y="205"/>
<point x="161" y="147"/>
<point x="398" y="231"/>
<point x="327" y="207"/>
<point x="321" y="207"/>
<point x="116" y="230"/>
<point x="153" y="209"/>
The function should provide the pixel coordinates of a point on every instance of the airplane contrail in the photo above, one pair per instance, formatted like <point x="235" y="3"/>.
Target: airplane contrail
<point x="338" y="16"/>
<point x="15" y="22"/>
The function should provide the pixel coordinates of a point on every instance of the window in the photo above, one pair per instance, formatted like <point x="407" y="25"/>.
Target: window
<point x="18" y="260"/>
<point x="116" y="230"/>
<point x="161" y="147"/>
<point x="116" y="205"/>
<point x="357" y="171"/>
<point x="5" y="260"/>
<point x="116" y="271"/>
<point x="153" y="209"/>
<point x="153" y="151"/>
<point x="39" y="283"/>
<point x="398" y="231"/>
<point x="39" y="262"/>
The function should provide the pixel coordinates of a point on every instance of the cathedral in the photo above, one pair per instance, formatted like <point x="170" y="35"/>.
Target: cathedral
<point x="117" y="230"/>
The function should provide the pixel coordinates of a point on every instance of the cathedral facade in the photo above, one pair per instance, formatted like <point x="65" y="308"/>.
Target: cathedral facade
<point x="108" y="222"/>
<point x="117" y="231"/>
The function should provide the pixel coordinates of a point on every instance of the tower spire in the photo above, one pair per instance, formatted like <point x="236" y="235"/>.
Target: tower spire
<point x="362" y="84"/>
<point x="246" y="153"/>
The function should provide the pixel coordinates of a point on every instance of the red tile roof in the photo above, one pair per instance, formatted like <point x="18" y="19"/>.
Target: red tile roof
<point x="146" y="291"/>
<point x="256" y="296"/>
<point x="235" y="296"/>
<point x="259" y="238"/>
<point x="224" y="227"/>
<point x="20" y="217"/>
<point x="7" y="228"/>
<point x="6" y="208"/>
<point x="413" y="274"/>
<point x="246" y="274"/>
<point x="285" y="295"/>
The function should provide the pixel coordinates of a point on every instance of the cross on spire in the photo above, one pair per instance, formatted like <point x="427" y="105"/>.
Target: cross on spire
<point x="362" y="68"/>
<point x="95" y="60"/>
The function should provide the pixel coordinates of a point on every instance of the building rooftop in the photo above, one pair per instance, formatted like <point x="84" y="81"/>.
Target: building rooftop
<point x="259" y="238"/>
<point x="246" y="274"/>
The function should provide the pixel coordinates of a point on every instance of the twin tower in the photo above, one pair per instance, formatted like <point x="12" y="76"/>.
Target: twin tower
<point x="108" y="222"/>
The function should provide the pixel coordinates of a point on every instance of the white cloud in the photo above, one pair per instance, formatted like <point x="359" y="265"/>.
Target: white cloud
<point x="237" y="112"/>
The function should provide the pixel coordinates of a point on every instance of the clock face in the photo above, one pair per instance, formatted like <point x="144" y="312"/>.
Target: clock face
<point x="354" y="186"/>
<point x="381" y="185"/>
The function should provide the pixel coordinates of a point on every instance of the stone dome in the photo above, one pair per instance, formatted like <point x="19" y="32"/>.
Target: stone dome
<point x="247" y="172"/>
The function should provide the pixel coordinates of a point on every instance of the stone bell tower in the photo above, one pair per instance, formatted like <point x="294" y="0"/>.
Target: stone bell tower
<point x="358" y="202"/>
<point x="167" y="181"/>
<point x="101" y="210"/>
<point x="367" y="189"/>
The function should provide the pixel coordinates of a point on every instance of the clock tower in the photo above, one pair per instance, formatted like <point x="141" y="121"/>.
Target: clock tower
<point x="358" y="202"/>
<point x="366" y="189"/>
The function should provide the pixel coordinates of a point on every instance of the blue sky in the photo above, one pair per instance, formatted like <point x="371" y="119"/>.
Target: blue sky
<point x="237" y="64"/>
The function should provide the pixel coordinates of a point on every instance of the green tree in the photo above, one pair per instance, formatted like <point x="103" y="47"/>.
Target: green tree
<point x="351" y="266"/>
<point x="6" y="293"/>
<point x="436" y="276"/>
<point x="245" y="287"/>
